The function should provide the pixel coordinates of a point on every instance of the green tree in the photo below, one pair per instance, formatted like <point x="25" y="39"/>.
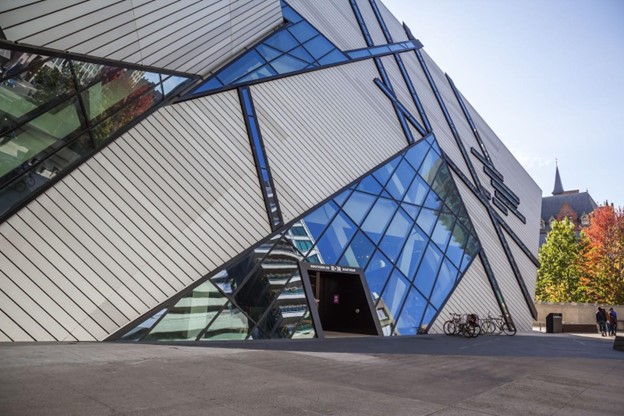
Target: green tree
<point x="562" y="259"/>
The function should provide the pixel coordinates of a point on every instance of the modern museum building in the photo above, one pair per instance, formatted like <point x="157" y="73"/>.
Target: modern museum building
<point x="246" y="169"/>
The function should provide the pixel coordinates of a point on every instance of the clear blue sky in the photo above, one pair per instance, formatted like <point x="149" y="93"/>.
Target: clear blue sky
<point x="546" y="75"/>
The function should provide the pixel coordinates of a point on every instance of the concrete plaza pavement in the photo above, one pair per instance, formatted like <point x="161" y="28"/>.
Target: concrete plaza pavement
<point x="528" y="374"/>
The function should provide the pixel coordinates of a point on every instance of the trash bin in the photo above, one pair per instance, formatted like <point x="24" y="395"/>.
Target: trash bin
<point x="554" y="323"/>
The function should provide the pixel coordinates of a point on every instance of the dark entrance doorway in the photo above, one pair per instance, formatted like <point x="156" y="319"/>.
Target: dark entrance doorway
<point x="343" y="302"/>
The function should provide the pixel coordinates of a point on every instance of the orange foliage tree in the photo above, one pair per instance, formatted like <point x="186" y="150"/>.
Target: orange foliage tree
<point x="602" y="279"/>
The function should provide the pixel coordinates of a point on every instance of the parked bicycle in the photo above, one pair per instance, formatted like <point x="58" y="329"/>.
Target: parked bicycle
<point x="463" y="324"/>
<point x="494" y="326"/>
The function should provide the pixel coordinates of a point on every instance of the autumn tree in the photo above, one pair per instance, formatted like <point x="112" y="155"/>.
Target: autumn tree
<point x="561" y="260"/>
<point x="603" y="280"/>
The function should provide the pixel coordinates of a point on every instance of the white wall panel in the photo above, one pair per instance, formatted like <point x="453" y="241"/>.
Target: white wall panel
<point x="190" y="35"/>
<point x="395" y="27"/>
<point x="527" y="268"/>
<point x="498" y="260"/>
<point x="371" y="22"/>
<point x="473" y="295"/>
<point x="157" y="209"/>
<point x="518" y="180"/>
<point x="315" y="142"/>
<point x="400" y="88"/>
<point x="433" y="111"/>
<point x="334" y="19"/>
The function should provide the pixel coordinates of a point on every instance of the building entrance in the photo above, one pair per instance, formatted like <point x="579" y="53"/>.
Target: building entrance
<point x="343" y="303"/>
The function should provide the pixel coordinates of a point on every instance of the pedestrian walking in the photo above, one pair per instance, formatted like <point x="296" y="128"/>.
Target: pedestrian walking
<point x="601" y="320"/>
<point x="612" y="322"/>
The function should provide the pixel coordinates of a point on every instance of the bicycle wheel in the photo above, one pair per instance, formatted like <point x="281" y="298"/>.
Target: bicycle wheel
<point x="509" y="330"/>
<point x="487" y="328"/>
<point x="468" y="331"/>
<point x="477" y="330"/>
<point x="449" y="328"/>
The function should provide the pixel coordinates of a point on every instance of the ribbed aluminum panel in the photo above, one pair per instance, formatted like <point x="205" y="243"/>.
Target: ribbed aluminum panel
<point x="324" y="129"/>
<point x="518" y="180"/>
<point x="334" y="19"/>
<point x="526" y="266"/>
<point x="157" y="209"/>
<point x="395" y="27"/>
<point x="435" y="115"/>
<point x="498" y="260"/>
<point x="192" y="36"/>
<point x="371" y="22"/>
<point x="400" y="87"/>
<point x="472" y="295"/>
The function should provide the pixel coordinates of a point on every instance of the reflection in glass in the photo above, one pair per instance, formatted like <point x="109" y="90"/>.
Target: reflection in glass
<point x="428" y="270"/>
<point x="412" y="252"/>
<point x="230" y="324"/>
<point x="377" y="273"/>
<point x="359" y="251"/>
<point x="395" y="292"/>
<point x="336" y="238"/>
<point x="358" y="205"/>
<point x="411" y="315"/>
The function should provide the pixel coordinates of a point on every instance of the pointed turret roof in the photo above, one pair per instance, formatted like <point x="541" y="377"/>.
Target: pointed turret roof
<point x="558" y="186"/>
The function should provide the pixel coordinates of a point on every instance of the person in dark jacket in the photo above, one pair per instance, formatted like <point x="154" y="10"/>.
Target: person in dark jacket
<point x="601" y="320"/>
<point x="612" y="322"/>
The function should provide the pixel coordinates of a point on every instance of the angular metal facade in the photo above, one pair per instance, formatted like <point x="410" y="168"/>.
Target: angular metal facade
<point x="338" y="144"/>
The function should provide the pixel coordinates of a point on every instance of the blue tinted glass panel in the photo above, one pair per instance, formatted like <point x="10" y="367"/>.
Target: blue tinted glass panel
<point x="412" y="210"/>
<point x="394" y="293"/>
<point x="262" y="72"/>
<point x="318" y="46"/>
<point x="428" y="270"/>
<point x="379" y="49"/>
<point x="471" y="251"/>
<point x="317" y="220"/>
<point x="370" y="185"/>
<point x="335" y="239"/>
<point x="138" y="331"/>
<point x="303" y="245"/>
<point x="459" y="239"/>
<point x="417" y="154"/>
<point x="290" y="15"/>
<point x="342" y="197"/>
<point x="444" y="284"/>
<point x="432" y="201"/>
<point x="429" y="167"/>
<point x="287" y="63"/>
<point x="378" y="218"/>
<point x="246" y="63"/>
<point x="400" y="180"/>
<point x="268" y="52"/>
<point x="377" y="273"/>
<point x="442" y="232"/>
<point x="211" y="84"/>
<point x="332" y="58"/>
<point x="426" y="220"/>
<point x="392" y="242"/>
<point x="303" y="31"/>
<point x="282" y="41"/>
<point x="361" y="53"/>
<point x="302" y="54"/>
<point x="411" y="315"/>
<point x="417" y="192"/>
<point x="412" y="252"/>
<point x="383" y="173"/>
<point x="428" y="318"/>
<point x="359" y="251"/>
<point x="358" y="205"/>
<point x="172" y="82"/>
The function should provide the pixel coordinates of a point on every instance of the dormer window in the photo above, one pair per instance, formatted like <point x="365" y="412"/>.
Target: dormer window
<point x="584" y="220"/>
<point x="542" y="224"/>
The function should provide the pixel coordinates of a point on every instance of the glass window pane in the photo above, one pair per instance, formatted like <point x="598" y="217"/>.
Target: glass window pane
<point x="442" y="232"/>
<point x="359" y="251"/>
<point x="318" y="46"/>
<point x="412" y="252"/>
<point x="412" y="210"/>
<point x="377" y="273"/>
<point x="332" y="58"/>
<point x="40" y="133"/>
<point x="262" y="72"/>
<point x="428" y="270"/>
<point x="471" y="251"/>
<point x="282" y="41"/>
<point x="362" y="53"/>
<point x="246" y="63"/>
<point x="141" y="329"/>
<point x="426" y="220"/>
<point x="411" y="315"/>
<point x="443" y="183"/>
<point x="369" y="184"/>
<point x="211" y="84"/>
<point x="459" y="239"/>
<point x="342" y="197"/>
<point x="358" y="205"/>
<point x="392" y="242"/>
<point x="287" y="63"/>
<point x="417" y="192"/>
<point x="290" y="15"/>
<point x="335" y="239"/>
<point x="444" y="284"/>
<point x="303" y="31"/>
<point x="190" y="315"/>
<point x="429" y="167"/>
<point x="116" y="87"/>
<point x="417" y="154"/>
<point x="302" y="54"/>
<point x="317" y="220"/>
<point x="432" y="201"/>
<point x="428" y="318"/>
<point x="378" y="218"/>
<point x="172" y="82"/>
<point x="394" y="293"/>
<point x="305" y="328"/>
<point x="400" y="180"/>
<point x="230" y="324"/>
<point x="383" y="173"/>
<point x="267" y="52"/>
